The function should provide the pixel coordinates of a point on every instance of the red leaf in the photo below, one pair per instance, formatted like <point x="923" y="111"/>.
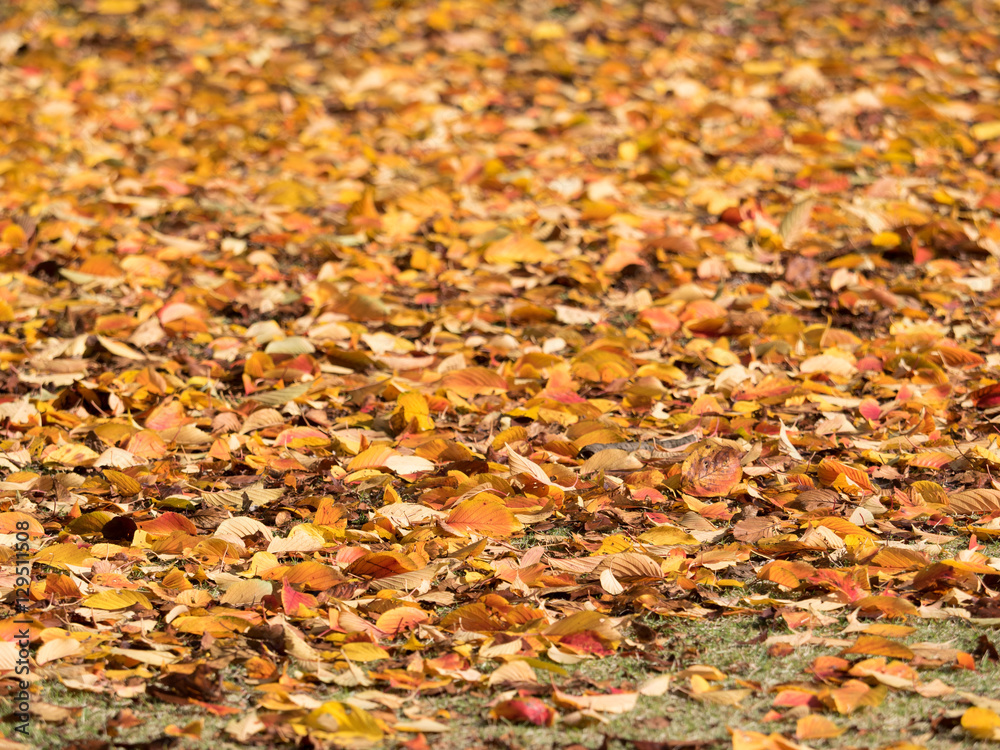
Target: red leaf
<point x="525" y="711"/>
<point x="988" y="397"/>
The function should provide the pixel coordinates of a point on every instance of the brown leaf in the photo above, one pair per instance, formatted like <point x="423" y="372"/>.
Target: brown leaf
<point x="974" y="502"/>
<point x="200" y="684"/>
<point x="754" y="529"/>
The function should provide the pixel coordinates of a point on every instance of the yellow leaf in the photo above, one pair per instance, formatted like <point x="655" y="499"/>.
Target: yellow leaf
<point x="667" y="535"/>
<point x="90" y="523"/>
<point x="942" y="197"/>
<point x="291" y="193"/>
<point x="345" y="722"/>
<point x="112" y="600"/>
<point x="547" y="30"/>
<point x="412" y="411"/>
<point x="815" y="727"/>
<point x="628" y="151"/>
<point x="517" y="249"/>
<point x="117" y="7"/>
<point x="125" y="484"/>
<point x="65" y="555"/>
<point x="363" y="652"/>
<point x="764" y="67"/>
<point x="613" y="544"/>
<point x="886" y="239"/>
<point x="71" y="454"/>
<point x="986" y="131"/>
<point x="699" y="685"/>
<point x="981" y="723"/>
<point x="875" y="645"/>
<point x="14" y="236"/>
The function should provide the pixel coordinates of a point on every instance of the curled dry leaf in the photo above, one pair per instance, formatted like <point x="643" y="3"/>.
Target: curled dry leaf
<point x="521" y="465"/>
<point x="610" y="459"/>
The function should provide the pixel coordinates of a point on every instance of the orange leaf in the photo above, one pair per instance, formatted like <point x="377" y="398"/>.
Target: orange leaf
<point x="889" y="606"/>
<point x="874" y="645"/>
<point x="313" y="575"/>
<point x="167" y="416"/>
<point x="786" y="573"/>
<point x="853" y="694"/>
<point x="14" y="236"/>
<point x="484" y="516"/>
<point x="381" y="564"/>
<point x="302" y="437"/>
<point x="472" y="617"/>
<point x="772" y="389"/>
<point x="524" y="711"/>
<point x="851" y="588"/>
<point x="815" y="727"/>
<point x="400" y="619"/>
<point x="827" y="668"/>
<point x="371" y="458"/>
<point x="474" y="381"/>
<point x="841" y="527"/>
<point x="898" y="557"/>
<point x="931" y="459"/>
<point x="830" y="470"/>
<point x="14" y="521"/>
<point x="167" y="523"/>
<point x="956" y="356"/>
<point x="147" y="444"/>
<point x="869" y="409"/>
<point x="711" y="471"/>
<point x="660" y="320"/>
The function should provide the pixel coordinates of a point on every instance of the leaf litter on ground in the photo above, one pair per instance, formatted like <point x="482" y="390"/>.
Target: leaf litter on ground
<point x="422" y="349"/>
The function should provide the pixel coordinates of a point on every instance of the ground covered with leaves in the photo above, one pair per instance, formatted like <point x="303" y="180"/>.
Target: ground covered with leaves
<point x="553" y="374"/>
